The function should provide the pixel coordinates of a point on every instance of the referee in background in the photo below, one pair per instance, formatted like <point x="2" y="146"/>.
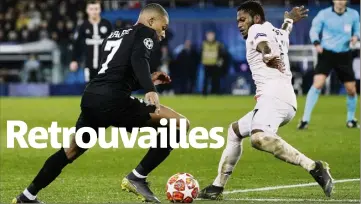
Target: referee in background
<point x="339" y="27"/>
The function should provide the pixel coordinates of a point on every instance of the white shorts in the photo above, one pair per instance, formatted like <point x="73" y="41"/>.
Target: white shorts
<point x="268" y="115"/>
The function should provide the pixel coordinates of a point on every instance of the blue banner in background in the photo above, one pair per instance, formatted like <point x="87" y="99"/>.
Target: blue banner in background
<point x="29" y="90"/>
<point x="41" y="90"/>
<point x="4" y="89"/>
<point x="67" y="89"/>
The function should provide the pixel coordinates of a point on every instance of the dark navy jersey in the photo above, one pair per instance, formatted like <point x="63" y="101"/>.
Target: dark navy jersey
<point x="88" y="39"/>
<point x="124" y="62"/>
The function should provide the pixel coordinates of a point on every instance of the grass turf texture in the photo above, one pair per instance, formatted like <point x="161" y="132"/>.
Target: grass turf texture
<point x="95" y="177"/>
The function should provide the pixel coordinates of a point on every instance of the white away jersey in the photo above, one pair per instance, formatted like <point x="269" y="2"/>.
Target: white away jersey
<point x="270" y="81"/>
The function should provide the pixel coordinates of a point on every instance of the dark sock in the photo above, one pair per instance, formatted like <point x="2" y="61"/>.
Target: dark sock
<point x="51" y="169"/>
<point x="153" y="158"/>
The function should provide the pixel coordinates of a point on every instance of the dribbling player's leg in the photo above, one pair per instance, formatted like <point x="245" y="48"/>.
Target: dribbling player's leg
<point x="237" y="131"/>
<point x="53" y="167"/>
<point x="155" y="156"/>
<point x="263" y="137"/>
<point x="270" y="115"/>
<point x="285" y="152"/>
<point x="135" y="181"/>
<point x="230" y="157"/>
<point x="275" y="145"/>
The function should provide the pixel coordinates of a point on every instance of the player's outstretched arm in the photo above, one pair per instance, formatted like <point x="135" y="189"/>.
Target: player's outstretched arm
<point x="271" y="60"/>
<point x="259" y="38"/>
<point x="295" y="15"/>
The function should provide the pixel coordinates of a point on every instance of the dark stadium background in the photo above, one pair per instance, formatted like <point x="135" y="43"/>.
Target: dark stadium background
<point x="56" y="20"/>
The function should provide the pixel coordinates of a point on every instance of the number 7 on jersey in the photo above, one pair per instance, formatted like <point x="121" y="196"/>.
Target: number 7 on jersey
<point x="113" y="46"/>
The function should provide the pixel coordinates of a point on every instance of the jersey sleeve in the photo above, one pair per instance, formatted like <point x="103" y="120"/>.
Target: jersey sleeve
<point x="316" y="28"/>
<point x="78" y="41"/>
<point x="256" y="35"/>
<point x="144" y="43"/>
<point x="356" y="25"/>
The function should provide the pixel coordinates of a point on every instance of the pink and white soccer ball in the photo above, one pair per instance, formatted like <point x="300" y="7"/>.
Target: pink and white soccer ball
<point x="182" y="188"/>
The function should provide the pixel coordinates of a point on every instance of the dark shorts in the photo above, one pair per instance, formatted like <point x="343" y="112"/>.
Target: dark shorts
<point x="124" y="111"/>
<point x="340" y="62"/>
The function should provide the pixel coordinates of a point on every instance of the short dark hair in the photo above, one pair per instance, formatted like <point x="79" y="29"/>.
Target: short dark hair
<point x="253" y="8"/>
<point x="93" y="2"/>
<point x="155" y="7"/>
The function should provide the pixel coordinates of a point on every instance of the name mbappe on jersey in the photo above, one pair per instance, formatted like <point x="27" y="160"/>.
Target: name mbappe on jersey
<point x="117" y="34"/>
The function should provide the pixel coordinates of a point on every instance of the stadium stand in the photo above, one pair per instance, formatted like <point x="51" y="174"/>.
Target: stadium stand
<point x="45" y="22"/>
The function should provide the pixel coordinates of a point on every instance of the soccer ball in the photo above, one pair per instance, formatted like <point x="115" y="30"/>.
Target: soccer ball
<point x="182" y="188"/>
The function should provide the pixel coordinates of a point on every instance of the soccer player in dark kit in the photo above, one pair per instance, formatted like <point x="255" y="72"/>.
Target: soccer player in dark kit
<point x="88" y="38"/>
<point x="107" y="101"/>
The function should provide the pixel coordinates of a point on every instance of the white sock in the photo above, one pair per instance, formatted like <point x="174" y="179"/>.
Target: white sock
<point x="28" y="194"/>
<point x="138" y="174"/>
<point x="281" y="149"/>
<point x="230" y="156"/>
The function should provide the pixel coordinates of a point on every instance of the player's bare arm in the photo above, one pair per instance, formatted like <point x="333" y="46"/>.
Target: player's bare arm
<point x="270" y="59"/>
<point x="295" y="15"/>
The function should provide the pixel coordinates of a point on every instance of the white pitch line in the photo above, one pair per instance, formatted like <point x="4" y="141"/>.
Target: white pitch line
<point x="288" y="186"/>
<point x="293" y="200"/>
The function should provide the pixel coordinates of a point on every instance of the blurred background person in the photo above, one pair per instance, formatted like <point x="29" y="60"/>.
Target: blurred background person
<point x="32" y="70"/>
<point x="91" y="33"/>
<point x="212" y="63"/>
<point x="187" y="65"/>
<point x="166" y="63"/>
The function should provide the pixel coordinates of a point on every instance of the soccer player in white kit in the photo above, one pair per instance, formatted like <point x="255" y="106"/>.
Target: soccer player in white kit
<point x="267" y="49"/>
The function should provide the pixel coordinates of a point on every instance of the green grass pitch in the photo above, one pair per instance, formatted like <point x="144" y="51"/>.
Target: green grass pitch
<point x="95" y="177"/>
